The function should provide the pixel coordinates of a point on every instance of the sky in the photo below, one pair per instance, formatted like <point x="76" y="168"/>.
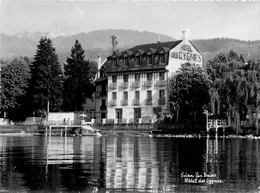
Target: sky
<point x="200" y="19"/>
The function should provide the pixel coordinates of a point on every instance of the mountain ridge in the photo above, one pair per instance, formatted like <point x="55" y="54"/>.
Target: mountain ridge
<point x="99" y="43"/>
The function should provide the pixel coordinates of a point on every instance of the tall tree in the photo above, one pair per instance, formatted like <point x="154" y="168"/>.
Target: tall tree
<point x="235" y="94"/>
<point x="189" y="93"/>
<point x="14" y="83"/>
<point x="77" y="84"/>
<point x="45" y="89"/>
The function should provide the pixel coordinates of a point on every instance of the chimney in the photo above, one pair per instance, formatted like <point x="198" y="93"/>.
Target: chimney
<point x="183" y="35"/>
<point x="159" y="39"/>
<point x="99" y="66"/>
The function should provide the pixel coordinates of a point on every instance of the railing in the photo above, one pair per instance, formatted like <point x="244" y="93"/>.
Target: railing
<point x="66" y="122"/>
<point x="136" y="84"/>
<point x="216" y="123"/>
<point x="147" y="119"/>
<point x="149" y="101"/>
<point x="148" y="84"/>
<point x="134" y="120"/>
<point x="120" y="120"/>
<point x="136" y="102"/>
<point x="113" y="86"/>
<point x="161" y="83"/>
<point x="110" y="121"/>
<point x="161" y="101"/>
<point x="113" y="103"/>
<point x="124" y="85"/>
<point x="124" y="102"/>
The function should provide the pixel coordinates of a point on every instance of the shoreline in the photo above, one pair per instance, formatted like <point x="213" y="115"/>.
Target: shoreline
<point x="38" y="130"/>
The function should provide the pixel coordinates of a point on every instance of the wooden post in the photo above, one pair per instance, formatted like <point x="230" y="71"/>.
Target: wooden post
<point x="50" y="131"/>
<point x="46" y="131"/>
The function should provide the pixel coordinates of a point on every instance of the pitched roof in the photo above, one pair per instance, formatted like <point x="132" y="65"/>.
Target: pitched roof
<point x="143" y="50"/>
<point x="151" y="47"/>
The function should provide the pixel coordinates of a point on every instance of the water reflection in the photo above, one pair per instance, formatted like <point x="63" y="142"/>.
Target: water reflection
<point x="126" y="163"/>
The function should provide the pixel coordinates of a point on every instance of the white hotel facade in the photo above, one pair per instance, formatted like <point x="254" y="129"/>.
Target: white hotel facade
<point x="137" y="80"/>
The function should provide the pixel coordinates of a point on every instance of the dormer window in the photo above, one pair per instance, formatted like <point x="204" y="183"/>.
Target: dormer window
<point x="162" y="58"/>
<point x="138" y="60"/>
<point x="149" y="59"/>
<point x="115" y="64"/>
<point x="126" y="61"/>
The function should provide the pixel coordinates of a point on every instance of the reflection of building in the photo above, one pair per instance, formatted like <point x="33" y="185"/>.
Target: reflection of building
<point x="133" y="164"/>
<point x="134" y="82"/>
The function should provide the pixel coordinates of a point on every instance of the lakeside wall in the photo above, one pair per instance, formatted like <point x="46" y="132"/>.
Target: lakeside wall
<point x="32" y="129"/>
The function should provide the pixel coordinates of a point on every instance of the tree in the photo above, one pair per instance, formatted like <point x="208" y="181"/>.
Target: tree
<point x="235" y="94"/>
<point x="189" y="93"/>
<point x="77" y="84"/>
<point x="14" y="83"/>
<point x="45" y="89"/>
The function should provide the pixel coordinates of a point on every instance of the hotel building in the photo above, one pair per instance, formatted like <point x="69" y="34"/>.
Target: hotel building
<point x="133" y="85"/>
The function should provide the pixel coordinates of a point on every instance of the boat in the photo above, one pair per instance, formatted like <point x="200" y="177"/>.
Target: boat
<point x="89" y="130"/>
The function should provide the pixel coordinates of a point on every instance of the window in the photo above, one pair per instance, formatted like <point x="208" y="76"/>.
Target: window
<point x="119" y="113"/>
<point x="103" y="88"/>
<point x="162" y="58"/>
<point x="103" y="115"/>
<point x="161" y="94"/>
<point x="115" y="63"/>
<point x="149" y="95"/>
<point x="149" y="76"/>
<point x="150" y="59"/>
<point x="137" y="95"/>
<point x="161" y="76"/>
<point x="103" y="102"/>
<point x="138" y="60"/>
<point x="137" y="113"/>
<point x="113" y="95"/>
<point x="114" y="79"/>
<point x="125" y="77"/>
<point x="125" y="96"/>
<point x="126" y="61"/>
<point x="137" y="77"/>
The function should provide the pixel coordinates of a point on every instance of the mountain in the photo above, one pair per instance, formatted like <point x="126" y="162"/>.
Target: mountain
<point x="211" y="47"/>
<point x="94" y="42"/>
<point x="99" y="43"/>
<point x="62" y="28"/>
<point x="12" y="46"/>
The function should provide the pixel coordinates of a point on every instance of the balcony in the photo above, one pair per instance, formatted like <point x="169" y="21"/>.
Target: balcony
<point x="136" y="102"/>
<point x="146" y="119"/>
<point x="124" y="102"/>
<point x="113" y="86"/>
<point x="161" y="83"/>
<point x="113" y="103"/>
<point x="120" y="121"/>
<point x="149" y="101"/>
<point x="161" y="101"/>
<point x="103" y="107"/>
<point x="148" y="84"/>
<point x="136" y="84"/>
<point x="135" y="120"/>
<point x="124" y="85"/>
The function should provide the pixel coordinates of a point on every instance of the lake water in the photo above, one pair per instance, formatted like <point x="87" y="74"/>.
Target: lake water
<point x="128" y="164"/>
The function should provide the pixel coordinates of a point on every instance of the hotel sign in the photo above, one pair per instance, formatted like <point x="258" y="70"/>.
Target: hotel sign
<point x="186" y="53"/>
